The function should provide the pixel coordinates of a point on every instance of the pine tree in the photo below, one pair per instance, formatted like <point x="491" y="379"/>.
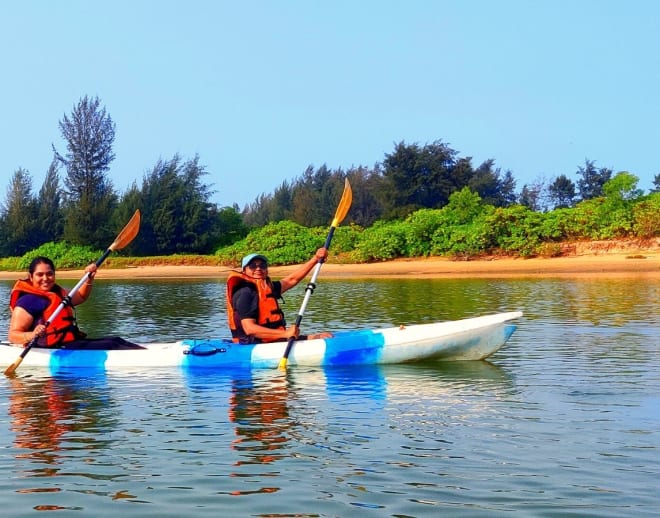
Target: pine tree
<point x="50" y="219"/>
<point x="89" y="195"/>
<point x="19" y="221"/>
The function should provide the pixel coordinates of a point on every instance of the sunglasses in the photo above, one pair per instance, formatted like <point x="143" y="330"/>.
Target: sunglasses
<point x="254" y="266"/>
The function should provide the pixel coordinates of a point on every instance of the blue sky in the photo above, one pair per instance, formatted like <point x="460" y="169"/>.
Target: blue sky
<point x="261" y="90"/>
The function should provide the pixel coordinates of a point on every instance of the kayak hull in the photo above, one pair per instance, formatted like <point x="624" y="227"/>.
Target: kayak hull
<point x="467" y="339"/>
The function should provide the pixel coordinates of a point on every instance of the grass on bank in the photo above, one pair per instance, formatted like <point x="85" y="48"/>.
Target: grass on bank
<point x="75" y="260"/>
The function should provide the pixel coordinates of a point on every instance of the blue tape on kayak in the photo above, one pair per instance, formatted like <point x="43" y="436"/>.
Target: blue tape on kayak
<point x="508" y="331"/>
<point x="67" y="358"/>
<point x="354" y="348"/>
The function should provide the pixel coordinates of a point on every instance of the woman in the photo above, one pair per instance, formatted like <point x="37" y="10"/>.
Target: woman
<point x="33" y="301"/>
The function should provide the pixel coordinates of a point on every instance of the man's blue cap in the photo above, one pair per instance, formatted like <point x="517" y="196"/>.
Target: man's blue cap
<point x="251" y="257"/>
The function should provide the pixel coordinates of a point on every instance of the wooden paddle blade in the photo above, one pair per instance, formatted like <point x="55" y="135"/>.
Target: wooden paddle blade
<point x="128" y="233"/>
<point x="344" y="204"/>
<point x="12" y="368"/>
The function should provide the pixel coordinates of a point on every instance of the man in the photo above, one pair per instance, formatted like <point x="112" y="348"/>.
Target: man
<point x="252" y="301"/>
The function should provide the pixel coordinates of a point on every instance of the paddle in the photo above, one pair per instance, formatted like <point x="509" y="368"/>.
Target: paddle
<point x="342" y="210"/>
<point x="127" y="235"/>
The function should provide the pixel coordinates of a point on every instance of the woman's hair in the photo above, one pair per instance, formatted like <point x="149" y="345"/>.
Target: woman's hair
<point x="40" y="260"/>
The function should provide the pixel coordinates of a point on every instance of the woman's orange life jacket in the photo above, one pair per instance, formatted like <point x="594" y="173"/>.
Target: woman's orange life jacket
<point x="270" y="314"/>
<point x="63" y="328"/>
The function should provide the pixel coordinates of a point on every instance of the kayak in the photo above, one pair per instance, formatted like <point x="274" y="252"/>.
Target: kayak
<point x="468" y="339"/>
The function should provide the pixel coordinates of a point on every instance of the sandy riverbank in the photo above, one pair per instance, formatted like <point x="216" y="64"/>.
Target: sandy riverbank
<point x="643" y="264"/>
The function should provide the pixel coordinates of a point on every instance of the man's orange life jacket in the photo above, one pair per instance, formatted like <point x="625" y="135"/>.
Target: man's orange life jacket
<point x="270" y="314"/>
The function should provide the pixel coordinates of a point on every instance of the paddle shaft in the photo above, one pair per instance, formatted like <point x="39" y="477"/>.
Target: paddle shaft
<point x="340" y="214"/>
<point x="311" y="286"/>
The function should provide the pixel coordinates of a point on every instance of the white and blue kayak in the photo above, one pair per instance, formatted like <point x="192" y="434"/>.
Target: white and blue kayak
<point x="467" y="339"/>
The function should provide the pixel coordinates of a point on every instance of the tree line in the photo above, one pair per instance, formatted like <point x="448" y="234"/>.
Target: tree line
<point x="83" y="208"/>
<point x="467" y="227"/>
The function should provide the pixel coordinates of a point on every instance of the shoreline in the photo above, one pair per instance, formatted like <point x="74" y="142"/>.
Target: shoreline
<point x="644" y="264"/>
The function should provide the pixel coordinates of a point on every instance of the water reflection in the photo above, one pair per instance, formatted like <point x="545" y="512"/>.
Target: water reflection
<point x="365" y="382"/>
<point x="55" y="420"/>
<point x="259" y="409"/>
<point x="52" y="414"/>
<point x="250" y="409"/>
<point x="40" y="411"/>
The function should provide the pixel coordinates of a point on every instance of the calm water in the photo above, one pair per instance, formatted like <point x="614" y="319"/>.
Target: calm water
<point x="564" y="420"/>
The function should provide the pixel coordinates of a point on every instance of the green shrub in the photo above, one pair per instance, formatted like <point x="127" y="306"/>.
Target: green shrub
<point x="646" y="217"/>
<point x="381" y="242"/>
<point x="464" y="241"/>
<point x="616" y="217"/>
<point x="345" y="238"/>
<point x="9" y="264"/>
<point x="465" y="227"/>
<point x="64" y="255"/>
<point x="559" y="224"/>
<point x="283" y="242"/>
<point x="588" y="219"/>
<point x="286" y="242"/>
<point x="464" y="207"/>
<point x="420" y="226"/>
<point x="515" y="229"/>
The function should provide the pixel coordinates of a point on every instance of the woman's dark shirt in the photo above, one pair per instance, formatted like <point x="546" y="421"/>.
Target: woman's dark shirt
<point x="33" y="304"/>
